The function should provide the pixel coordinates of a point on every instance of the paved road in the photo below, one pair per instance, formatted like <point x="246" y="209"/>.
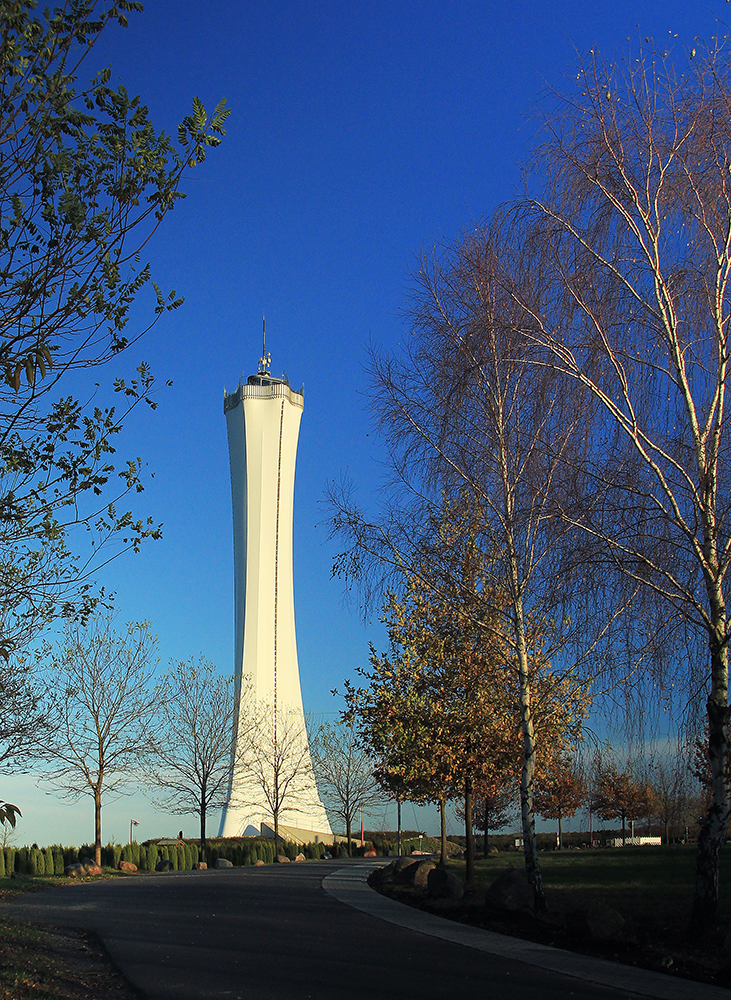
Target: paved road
<point x="273" y="933"/>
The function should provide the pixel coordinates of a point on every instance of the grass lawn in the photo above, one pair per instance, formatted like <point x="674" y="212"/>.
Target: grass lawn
<point x="53" y="963"/>
<point x="651" y="887"/>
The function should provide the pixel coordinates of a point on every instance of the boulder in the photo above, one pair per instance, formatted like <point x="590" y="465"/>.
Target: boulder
<point x="282" y="859"/>
<point x="492" y="852"/>
<point x="605" y="923"/>
<point x="380" y="874"/>
<point x="74" y="871"/>
<point x="421" y="873"/>
<point x="407" y="874"/>
<point x="126" y="866"/>
<point x="300" y="857"/>
<point x="510" y="893"/>
<point x="91" y="867"/>
<point x="223" y="863"/>
<point x="327" y="856"/>
<point x="258" y="863"/>
<point x="403" y="862"/>
<point x="443" y="884"/>
<point x="164" y="865"/>
<point x="200" y="866"/>
<point x="370" y="854"/>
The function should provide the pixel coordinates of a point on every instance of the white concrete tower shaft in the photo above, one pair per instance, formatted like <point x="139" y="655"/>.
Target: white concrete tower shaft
<point x="263" y="418"/>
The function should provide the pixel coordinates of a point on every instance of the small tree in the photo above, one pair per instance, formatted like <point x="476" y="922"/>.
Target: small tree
<point x="560" y="791"/>
<point x="494" y="801"/>
<point x="344" y="773"/>
<point x="620" y="795"/>
<point x="274" y="755"/>
<point x="190" y="761"/>
<point x="101" y="711"/>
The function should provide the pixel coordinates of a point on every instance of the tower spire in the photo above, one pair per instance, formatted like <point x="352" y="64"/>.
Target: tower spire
<point x="265" y="360"/>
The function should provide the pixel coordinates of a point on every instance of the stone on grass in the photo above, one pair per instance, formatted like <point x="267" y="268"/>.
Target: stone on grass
<point x="126" y="866"/>
<point x="282" y="859"/>
<point x="510" y="893"/>
<point x="200" y="866"/>
<point x="605" y="923"/>
<point x="74" y="871"/>
<point x="164" y="865"/>
<point x="443" y="884"/>
<point x="400" y="863"/>
<point x="258" y="863"/>
<point x="91" y="867"/>
<point x="223" y="863"/>
<point x="492" y="852"/>
<point x="370" y="854"/>
<point x="421" y="873"/>
<point x="300" y="857"/>
<point x="409" y="873"/>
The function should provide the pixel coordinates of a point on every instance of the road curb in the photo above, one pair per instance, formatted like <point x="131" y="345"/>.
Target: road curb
<point x="350" y="886"/>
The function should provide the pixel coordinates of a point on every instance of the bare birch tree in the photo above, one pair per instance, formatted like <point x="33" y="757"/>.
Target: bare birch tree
<point x="463" y="409"/>
<point x="344" y="773"/>
<point x="190" y="761"/>
<point x="101" y="712"/>
<point x="630" y="214"/>
<point x="273" y="755"/>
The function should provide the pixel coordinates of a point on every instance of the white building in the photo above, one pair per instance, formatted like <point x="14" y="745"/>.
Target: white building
<point x="263" y="417"/>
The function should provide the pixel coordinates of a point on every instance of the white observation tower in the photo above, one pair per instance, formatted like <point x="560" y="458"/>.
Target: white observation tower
<point x="263" y="418"/>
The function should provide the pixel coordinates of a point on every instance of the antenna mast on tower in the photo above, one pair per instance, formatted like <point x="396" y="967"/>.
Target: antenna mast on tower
<point x="265" y="360"/>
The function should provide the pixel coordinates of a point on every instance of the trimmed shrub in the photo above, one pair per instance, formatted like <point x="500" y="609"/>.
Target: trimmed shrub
<point x="48" y="861"/>
<point x="36" y="862"/>
<point x="58" y="864"/>
<point x="21" y="861"/>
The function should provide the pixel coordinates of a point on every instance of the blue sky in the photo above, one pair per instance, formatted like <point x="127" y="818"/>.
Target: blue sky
<point x="359" y="135"/>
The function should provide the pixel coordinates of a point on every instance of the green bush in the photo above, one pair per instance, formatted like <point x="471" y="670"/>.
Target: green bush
<point x="48" y="861"/>
<point x="58" y="862"/>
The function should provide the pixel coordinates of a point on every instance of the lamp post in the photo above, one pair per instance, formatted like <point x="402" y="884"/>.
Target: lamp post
<point x="132" y="822"/>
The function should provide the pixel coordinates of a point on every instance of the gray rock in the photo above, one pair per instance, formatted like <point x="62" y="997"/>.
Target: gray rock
<point x="223" y="863"/>
<point x="126" y="866"/>
<point x="258" y="863"/>
<point x="200" y="866"/>
<point x="605" y="923"/>
<point x="282" y="859"/>
<point x="421" y="873"/>
<point x="300" y="857"/>
<point x="164" y="865"/>
<point x="74" y="871"/>
<point x="443" y="884"/>
<point x="403" y="862"/>
<point x="510" y="893"/>
<point x="492" y="852"/>
<point x="91" y="867"/>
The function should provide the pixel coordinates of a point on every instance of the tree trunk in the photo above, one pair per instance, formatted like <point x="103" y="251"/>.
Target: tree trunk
<point x="469" y="836"/>
<point x="560" y="838"/>
<point x="527" y="774"/>
<point x="98" y="826"/>
<point x="624" y="827"/>
<point x="487" y="828"/>
<point x="276" y="832"/>
<point x="398" y="814"/>
<point x="348" y="834"/>
<point x="715" y="824"/>
<point x="443" y="832"/>
<point x="202" y="812"/>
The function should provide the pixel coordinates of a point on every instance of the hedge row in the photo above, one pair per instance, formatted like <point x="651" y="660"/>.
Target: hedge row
<point x="52" y="860"/>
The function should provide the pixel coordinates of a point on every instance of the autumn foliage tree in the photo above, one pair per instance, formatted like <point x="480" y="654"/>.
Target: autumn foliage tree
<point x="560" y="790"/>
<point x="619" y="794"/>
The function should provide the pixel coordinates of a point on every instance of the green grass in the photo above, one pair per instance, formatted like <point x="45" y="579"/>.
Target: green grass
<point x="651" y="887"/>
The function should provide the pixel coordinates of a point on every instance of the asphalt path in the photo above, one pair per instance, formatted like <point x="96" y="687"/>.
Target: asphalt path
<point x="274" y="933"/>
